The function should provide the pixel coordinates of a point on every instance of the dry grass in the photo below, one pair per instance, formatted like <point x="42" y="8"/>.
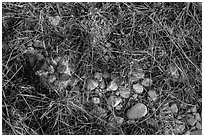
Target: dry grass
<point x="152" y="36"/>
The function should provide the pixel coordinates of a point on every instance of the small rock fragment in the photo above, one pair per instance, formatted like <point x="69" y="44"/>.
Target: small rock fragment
<point x="179" y="129"/>
<point x="113" y="86"/>
<point x="137" y="111"/>
<point x="114" y="101"/>
<point x="174" y="108"/>
<point x="191" y="121"/>
<point x="197" y="116"/>
<point x="135" y="96"/>
<point x="147" y="82"/>
<point x="174" y="71"/>
<point x="198" y="125"/>
<point x="98" y="76"/>
<point x="138" y="88"/>
<point x="119" y="107"/>
<point x="193" y="109"/>
<point x="102" y="84"/>
<point x="96" y="100"/>
<point x="124" y="92"/>
<point x="197" y="132"/>
<point x="52" y="78"/>
<point x="38" y="44"/>
<point x="139" y="74"/>
<point x="119" y="120"/>
<point x="92" y="84"/>
<point x="55" y="20"/>
<point x="152" y="94"/>
<point x="65" y="77"/>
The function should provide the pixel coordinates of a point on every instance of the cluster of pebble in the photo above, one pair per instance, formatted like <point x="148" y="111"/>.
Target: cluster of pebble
<point x="120" y="91"/>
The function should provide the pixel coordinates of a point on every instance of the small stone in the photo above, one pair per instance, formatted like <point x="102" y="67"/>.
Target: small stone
<point x="153" y="95"/>
<point x="174" y="71"/>
<point x="124" y="92"/>
<point x="92" y="84"/>
<point x="52" y="78"/>
<point x="139" y="74"/>
<point x="39" y="57"/>
<point x="55" y="20"/>
<point x="179" y="117"/>
<point x="38" y="44"/>
<point x="113" y="86"/>
<point x="147" y="82"/>
<point x="139" y="110"/>
<point x="197" y="132"/>
<point x="193" y="109"/>
<point x="135" y="96"/>
<point x="114" y="101"/>
<point x="102" y="84"/>
<point x="119" y="120"/>
<point x="197" y="116"/>
<point x="65" y="77"/>
<point x="138" y="88"/>
<point x="179" y="129"/>
<point x="98" y="76"/>
<point x="61" y="68"/>
<point x="198" y="125"/>
<point x="174" y="108"/>
<point x="187" y="133"/>
<point x="96" y="100"/>
<point x="119" y="107"/>
<point x="191" y="121"/>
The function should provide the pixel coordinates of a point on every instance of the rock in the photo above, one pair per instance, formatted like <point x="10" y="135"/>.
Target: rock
<point x="65" y="77"/>
<point x="114" y="101"/>
<point x="197" y="116"/>
<point x="174" y="71"/>
<point x="92" y="84"/>
<point x="139" y="74"/>
<point x="139" y="110"/>
<point x="54" y="20"/>
<point x="174" y="108"/>
<point x="152" y="94"/>
<point x="147" y="82"/>
<point x="96" y="100"/>
<point x="98" y="76"/>
<point x="198" y="125"/>
<point x="116" y="121"/>
<point x="193" y="109"/>
<point x="102" y="84"/>
<point x="38" y="44"/>
<point x="124" y="92"/>
<point x="52" y="78"/>
<point x="135" y="96"/>
<point x="179" y="129"/>
<point x="187" y="133"/>
<point x="191" y="121"/>
<point x="119" y="107"/>
<point x="197" y="132"/>
<point x="61" y="68"/>
<point x="119" y="120"/>
<point x="138" y="88"/>
<point x="113" y="86"/>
